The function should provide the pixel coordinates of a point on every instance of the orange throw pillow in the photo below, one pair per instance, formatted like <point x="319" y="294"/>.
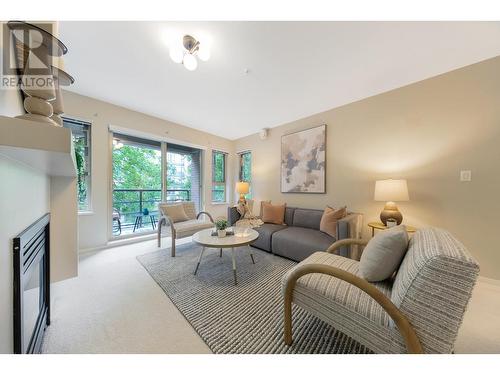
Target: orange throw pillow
<point x="273" y="214"/>
<point x="328" y="223"/>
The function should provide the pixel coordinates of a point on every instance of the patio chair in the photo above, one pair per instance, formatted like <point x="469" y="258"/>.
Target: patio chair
<point x="117" y="218"/>
<point x="419" y="312"/>
<point x="182" y="229"/>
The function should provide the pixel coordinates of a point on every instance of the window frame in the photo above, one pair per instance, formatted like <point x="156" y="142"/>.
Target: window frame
<point x="241" y="156"/>
<point x="89" y="160"/>
<point x="222" y="183"/>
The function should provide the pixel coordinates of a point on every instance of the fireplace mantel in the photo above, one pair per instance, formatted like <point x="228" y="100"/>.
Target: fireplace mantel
<point x="42" y="146"/>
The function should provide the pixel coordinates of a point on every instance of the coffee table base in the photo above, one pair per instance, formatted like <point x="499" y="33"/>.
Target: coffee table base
<point x="233" y="258"/>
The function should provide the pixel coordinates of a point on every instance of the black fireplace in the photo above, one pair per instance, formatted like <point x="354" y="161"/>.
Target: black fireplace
<point x="31" y="286"/>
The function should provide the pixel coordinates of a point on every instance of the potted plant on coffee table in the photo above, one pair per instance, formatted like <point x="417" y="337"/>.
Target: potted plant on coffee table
<point x="221" y="226"/>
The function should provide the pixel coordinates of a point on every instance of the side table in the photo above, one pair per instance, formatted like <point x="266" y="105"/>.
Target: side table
<point x="378" y="225"/>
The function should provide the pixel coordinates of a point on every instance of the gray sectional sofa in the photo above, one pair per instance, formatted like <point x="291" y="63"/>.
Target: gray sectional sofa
<point x="300" y="236"/>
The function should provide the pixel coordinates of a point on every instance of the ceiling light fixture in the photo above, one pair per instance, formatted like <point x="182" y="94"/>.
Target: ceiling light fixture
<point x="187" y="53"/>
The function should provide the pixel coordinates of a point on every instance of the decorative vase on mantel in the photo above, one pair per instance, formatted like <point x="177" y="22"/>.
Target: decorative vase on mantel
<point x="35" y="48"/>
<point x="61" y="78"/>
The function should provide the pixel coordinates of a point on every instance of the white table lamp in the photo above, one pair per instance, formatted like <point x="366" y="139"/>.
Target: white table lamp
<point x="242" y="188"/>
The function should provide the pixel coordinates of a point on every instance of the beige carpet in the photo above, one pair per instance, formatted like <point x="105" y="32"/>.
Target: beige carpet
<point x="115" y="307"/>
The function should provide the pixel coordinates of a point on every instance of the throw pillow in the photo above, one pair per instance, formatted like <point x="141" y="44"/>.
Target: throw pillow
<point x="175" y="212"/>
<point x="261" y="203"/>
<point x="273" y="214"/>
<point x="383" y="254"/>
<point x="328" y="223"/>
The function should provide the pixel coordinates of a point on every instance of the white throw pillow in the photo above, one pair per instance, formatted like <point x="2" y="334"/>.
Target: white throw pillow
<point x="383" y="254"/>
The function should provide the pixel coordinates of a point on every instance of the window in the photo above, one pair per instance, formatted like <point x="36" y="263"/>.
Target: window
<point x="246" y="170"/>
<point x="136" y="184"/>
<point x="183" y="174"/>
<point x="219" y="176"/>
<point x="81" y="143"/>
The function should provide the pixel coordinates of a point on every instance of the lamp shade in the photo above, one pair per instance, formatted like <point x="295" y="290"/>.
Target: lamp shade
<point x="242" y="187"/>
<point x="391" y="190"/>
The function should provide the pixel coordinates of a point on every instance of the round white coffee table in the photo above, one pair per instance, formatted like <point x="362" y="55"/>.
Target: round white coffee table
<point x="239" y="239"/>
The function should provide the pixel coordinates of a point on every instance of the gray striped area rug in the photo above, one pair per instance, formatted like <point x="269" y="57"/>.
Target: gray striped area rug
<point x="247" y="318"/>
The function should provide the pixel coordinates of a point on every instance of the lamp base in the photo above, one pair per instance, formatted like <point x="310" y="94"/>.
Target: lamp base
<point x="242" y="199"/>
<point x="391" y="211"/>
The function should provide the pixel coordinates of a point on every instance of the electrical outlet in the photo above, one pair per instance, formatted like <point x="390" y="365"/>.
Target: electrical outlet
<point x="465" y="176"/>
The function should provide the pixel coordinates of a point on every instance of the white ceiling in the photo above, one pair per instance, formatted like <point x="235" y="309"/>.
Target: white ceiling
<point x="296" y="69"/>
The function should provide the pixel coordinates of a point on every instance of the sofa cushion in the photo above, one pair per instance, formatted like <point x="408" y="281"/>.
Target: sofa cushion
<point x="307" y="218"/>
<point x="289" y="215"/>
<point x="266" y="232"/>
<point x="298" y="243"/>
<point x="188" y="228"/>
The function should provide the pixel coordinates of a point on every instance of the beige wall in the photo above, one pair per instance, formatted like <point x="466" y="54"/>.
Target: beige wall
<point x="63" y="228"/>
<point x="93" y="228"/>
<point x="425" y="132"/>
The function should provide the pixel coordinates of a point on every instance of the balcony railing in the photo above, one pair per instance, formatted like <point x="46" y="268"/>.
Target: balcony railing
<point x="130" y="203"/>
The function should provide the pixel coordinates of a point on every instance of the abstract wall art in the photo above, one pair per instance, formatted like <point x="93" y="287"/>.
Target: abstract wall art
<point x="303" y="161"/>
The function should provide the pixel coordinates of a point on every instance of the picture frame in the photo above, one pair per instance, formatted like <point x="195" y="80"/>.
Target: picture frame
<point x="303" y="161"/>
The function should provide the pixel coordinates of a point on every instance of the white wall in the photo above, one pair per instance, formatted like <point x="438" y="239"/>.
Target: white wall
<point x="24" y="198"/>
<point x="93" y="227"/>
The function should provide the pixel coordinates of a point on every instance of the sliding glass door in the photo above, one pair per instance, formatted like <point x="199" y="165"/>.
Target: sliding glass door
<point x="140" y="182"/>
<point x="183" y="174"/>
<point x="137" y="185"/>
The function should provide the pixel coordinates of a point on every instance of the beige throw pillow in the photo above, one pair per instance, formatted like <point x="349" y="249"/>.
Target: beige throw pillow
<point x="175" y="212"/>
<point x="261" y="203"/>
<point x="383" y="254"/>
<point x="328" y="223"/>
<point x="273" y="214"/>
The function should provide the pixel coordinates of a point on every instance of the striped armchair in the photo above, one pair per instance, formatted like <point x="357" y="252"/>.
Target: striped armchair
<point x="420" y="311"/>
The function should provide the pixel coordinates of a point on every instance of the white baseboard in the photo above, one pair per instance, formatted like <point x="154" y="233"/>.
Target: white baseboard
<point x="115" y="243"/>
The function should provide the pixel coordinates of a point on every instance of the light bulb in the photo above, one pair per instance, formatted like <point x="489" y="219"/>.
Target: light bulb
<point x="176" y="54"/>
<point x="190" y="62"/>
<point x="203" y="53"/>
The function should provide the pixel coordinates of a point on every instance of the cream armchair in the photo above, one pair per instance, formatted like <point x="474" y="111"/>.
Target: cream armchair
<point x="181" y="229"/>
<point x="420" y="311"/>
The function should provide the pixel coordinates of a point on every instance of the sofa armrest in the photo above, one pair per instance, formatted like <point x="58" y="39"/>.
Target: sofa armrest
<point x="232" y="215"/>
<point x="349" y="227"/>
